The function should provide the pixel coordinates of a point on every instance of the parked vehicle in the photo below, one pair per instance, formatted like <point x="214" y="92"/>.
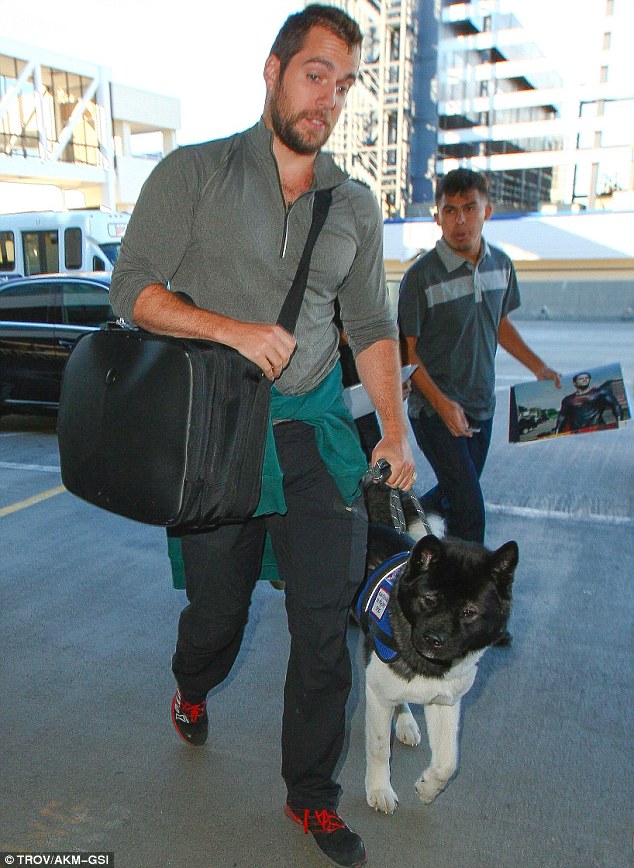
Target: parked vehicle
<point x="41" y="320"/>
<point x="47" y="242"/>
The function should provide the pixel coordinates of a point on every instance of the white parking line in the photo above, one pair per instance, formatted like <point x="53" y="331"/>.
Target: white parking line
<point x="44" y="468"/>
<point x="498" y="508"/>
<point x="559" y="515"/>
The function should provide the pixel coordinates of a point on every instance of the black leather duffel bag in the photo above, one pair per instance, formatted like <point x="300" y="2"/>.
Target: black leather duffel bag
<point x="163" y="430"/>
<point x="170" y="431"/>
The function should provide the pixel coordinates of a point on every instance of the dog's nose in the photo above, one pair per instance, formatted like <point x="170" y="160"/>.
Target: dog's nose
<point x="434" y="640"/>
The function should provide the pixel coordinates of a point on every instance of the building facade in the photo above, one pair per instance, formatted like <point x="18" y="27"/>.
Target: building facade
<point x="598" y="113"/>
<point x="448" y="83"/>
<point x="494" y="103"/>
<point x="64" y="123"/>
<point x="554" y="132"/>
<point x="443" y="83"/>
<point x="372" y="138"/>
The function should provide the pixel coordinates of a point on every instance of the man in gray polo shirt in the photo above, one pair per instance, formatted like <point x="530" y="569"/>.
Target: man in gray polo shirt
<point x="454" y="309"/>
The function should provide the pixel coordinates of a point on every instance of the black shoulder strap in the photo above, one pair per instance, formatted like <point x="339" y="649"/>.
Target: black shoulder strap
<point x="293" y="302"/>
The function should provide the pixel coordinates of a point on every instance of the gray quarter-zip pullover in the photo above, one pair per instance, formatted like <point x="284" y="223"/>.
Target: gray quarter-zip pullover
<point x="211" y="221"/>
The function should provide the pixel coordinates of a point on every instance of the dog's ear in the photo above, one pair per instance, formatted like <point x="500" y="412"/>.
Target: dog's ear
<point x="426" y="554"/>
<point x="502" y="564"/>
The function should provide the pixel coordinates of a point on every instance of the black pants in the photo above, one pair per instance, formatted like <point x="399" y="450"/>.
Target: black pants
<point x="320" y="551"/>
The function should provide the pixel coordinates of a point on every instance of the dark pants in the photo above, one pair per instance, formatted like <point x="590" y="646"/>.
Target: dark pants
<point x="369" y="433"/>
<point x="458" y="463"/>
<point x="320" y="551"/>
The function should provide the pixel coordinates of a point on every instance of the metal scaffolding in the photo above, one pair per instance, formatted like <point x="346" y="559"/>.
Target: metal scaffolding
<point x="372" y="139"/>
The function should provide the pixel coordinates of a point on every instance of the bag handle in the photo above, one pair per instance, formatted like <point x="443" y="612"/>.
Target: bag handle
<point x="293" y="302"/>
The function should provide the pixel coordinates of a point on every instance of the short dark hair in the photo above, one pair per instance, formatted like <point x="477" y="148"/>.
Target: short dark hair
<point x="293" y="32"/>
<point x="458" y="182"/>
<point x="581" y="374"/>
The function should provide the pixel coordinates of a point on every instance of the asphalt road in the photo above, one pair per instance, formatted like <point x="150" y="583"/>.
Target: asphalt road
<point x="90" y="763"/>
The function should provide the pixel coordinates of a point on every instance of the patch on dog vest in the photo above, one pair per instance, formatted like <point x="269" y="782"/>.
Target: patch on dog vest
<point x="380" y="604"/>
<point x="373" y="602"/>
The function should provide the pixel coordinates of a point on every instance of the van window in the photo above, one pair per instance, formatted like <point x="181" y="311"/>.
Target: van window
<point x="7" y="251"/>
<point x="72" y="247"/>
<point x="112" y="250"/>
<point x="86" y="305"/>
<point x="41" y="252"/>
<point x="25" y="303"/>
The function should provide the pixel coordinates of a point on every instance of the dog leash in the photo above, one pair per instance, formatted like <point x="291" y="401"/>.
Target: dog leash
<point x="397" y="507"/>
<point x="379" y="473"/>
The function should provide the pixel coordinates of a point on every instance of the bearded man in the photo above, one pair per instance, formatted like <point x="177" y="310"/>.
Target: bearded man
<point x="225" y="222"/>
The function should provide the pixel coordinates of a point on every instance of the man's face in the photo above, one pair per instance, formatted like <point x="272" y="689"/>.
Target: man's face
<point x="304" y="104"/>
<point x="582" y="382"/>
<point x="461" y="218"/>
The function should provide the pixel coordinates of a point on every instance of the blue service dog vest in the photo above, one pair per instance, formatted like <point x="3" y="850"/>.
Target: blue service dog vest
<point x="372" y="606"/>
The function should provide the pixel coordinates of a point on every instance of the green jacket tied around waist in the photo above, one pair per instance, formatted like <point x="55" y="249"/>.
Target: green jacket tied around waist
<point x="338" y="444"/>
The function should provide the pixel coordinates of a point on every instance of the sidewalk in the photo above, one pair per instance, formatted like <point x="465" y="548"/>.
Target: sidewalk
<point x="92" y="763"/>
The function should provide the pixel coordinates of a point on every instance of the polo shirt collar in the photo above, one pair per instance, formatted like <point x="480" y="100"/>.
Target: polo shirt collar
<point x="452" y="260"/>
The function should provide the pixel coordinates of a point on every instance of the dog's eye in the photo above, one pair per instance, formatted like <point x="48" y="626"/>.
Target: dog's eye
<point x="469" y="613"/>
<point x="429" y="600"/>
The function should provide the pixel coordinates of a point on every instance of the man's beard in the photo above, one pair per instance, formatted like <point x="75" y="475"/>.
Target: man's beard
<point x="285" y="126"/>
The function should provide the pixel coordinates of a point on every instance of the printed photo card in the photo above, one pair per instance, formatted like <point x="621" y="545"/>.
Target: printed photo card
<point x="589" y="400"/>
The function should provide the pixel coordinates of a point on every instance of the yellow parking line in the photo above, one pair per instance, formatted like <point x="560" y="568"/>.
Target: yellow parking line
<point x="30" y="501"/>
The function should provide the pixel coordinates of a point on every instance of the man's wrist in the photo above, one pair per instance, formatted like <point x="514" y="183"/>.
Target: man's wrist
<point x="394" y="428"/>
<point x="439" y="402"/>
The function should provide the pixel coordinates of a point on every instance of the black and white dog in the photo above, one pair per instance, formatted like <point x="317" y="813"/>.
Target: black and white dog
<point x="430" y="609"/>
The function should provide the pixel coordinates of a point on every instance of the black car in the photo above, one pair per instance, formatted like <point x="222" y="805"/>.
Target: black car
<point x="41" y="320"/>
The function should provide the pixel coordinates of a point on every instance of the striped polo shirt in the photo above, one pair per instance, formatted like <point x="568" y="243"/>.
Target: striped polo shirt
<point x="454" y="308"/>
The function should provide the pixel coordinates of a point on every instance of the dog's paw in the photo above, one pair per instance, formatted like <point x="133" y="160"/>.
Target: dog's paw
<point x="384" y="800"/>
<point x="428" y="789"/>
<point x="407" y="730"/>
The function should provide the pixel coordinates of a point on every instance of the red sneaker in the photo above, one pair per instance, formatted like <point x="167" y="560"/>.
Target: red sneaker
<point x="190" y="720"/>
<point x="336" y="840"/>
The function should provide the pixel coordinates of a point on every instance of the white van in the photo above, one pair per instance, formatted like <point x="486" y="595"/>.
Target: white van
<point x="46" y="242"/>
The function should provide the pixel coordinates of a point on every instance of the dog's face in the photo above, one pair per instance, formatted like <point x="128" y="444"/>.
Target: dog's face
<point x="453" y="598"/>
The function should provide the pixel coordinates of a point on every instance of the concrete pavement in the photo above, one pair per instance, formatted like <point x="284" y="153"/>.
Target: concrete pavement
<point x="90" y="760"/>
